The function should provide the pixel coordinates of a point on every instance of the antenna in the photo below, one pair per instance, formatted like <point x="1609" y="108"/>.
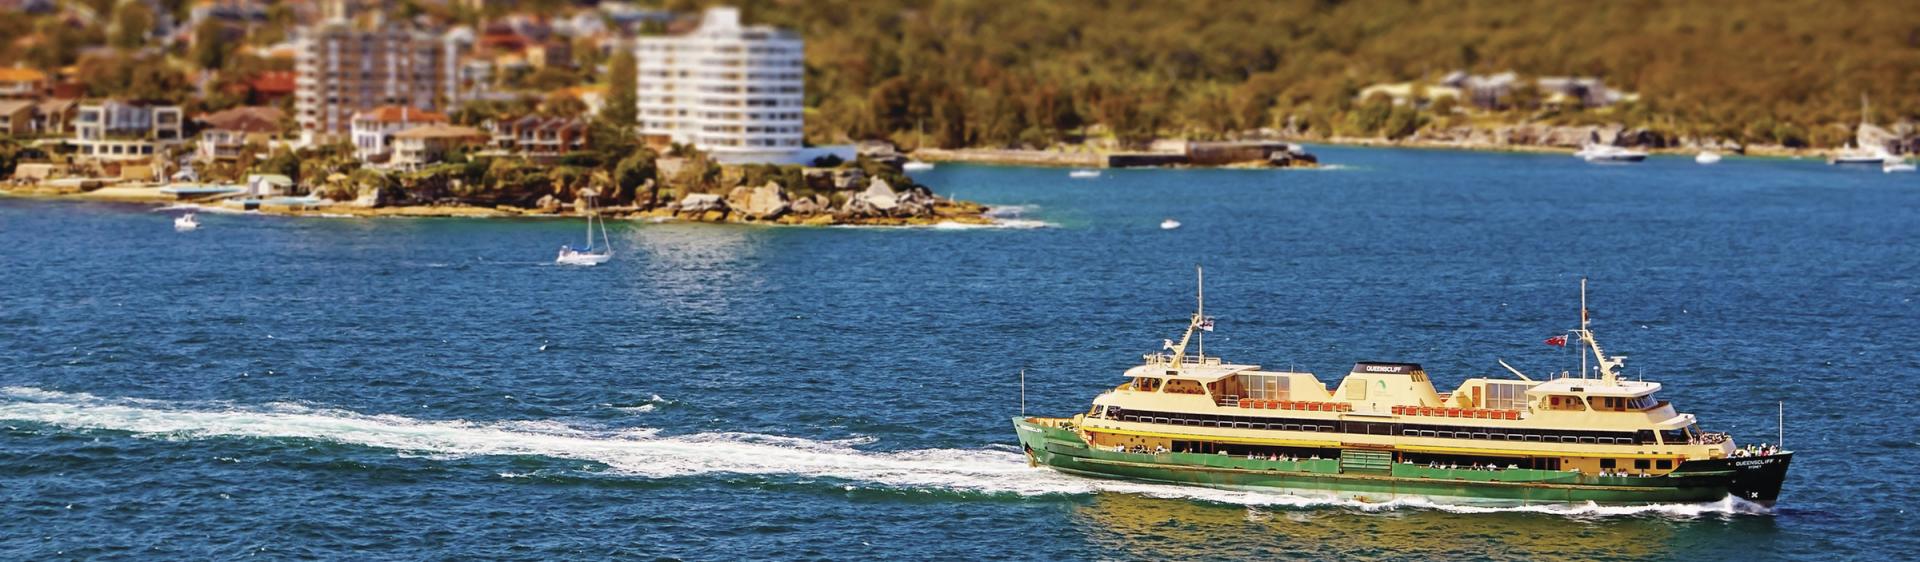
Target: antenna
<point x="1023" y="392"/>
<point x="1782" y="427"/>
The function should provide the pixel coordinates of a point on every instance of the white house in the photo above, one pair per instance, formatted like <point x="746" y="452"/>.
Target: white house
<point x="114" y="130"/>
<point x="373" y="130"/>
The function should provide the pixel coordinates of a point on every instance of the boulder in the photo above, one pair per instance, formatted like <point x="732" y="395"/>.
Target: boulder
<point x="766" y="202"/>
<point x="738" y="196"/>
<point x="701" y="203"/>
<point x="878" y="200"/>
<point x="804" y="206"/>
<point x="548" y="204"/>
<point x="917" y="202"/>
<point x="849" y="178"/>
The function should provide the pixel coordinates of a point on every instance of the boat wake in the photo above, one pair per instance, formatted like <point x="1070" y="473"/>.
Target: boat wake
<point x="645" y="453"/>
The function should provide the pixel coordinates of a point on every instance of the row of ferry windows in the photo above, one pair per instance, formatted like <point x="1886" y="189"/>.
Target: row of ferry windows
<point x="1643" y="437"/>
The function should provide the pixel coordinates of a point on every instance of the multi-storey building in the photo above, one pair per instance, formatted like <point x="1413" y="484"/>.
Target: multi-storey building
<point x="537" y="138"/>
<point x="345" y="69"/>
<point x="734" y="91"/>
<point x="115" y="130"/>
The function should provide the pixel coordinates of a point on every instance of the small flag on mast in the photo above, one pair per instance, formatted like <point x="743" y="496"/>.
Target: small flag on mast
<point x="1166" y="344"/>
<point x="1206" y="324"/>
<point x="1558" y="341"/>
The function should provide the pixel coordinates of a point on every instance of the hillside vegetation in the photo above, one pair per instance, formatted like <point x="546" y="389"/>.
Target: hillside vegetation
<point x="992" y="72"/>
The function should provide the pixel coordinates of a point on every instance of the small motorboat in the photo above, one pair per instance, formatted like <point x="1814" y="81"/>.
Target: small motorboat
<point x="1083" y="174"/>
<point x="1169" y="224"/>
<point x="186" y="222"/>
<point x="917" y="166"/>
<point x="1896" y="165"/>
<point x="1609" y="153"/>
<point x="1708" y="157"/>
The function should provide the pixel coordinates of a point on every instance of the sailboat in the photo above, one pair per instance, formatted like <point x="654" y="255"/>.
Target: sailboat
<point x="589" y="255"/>
<point x="1865" y="149"/>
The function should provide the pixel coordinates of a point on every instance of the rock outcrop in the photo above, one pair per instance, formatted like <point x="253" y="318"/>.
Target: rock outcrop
<point x="701" y="203"/>
<point x="766" y="202"/>
<point x="878" y="200"/>
<point x="548" y="204"/>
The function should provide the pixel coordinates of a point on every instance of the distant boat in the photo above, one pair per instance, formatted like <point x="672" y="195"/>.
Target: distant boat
<point x="1873" y="155"/>
<point x="1609" y="153"/>
<point x="1896" y="165"/>
<point x="1083" y="174"/>
<point x="1867" y="146"/>
<point x="589" y="255"/>
<point x="1169" y="224"/>
<point x="917" y="166"/>
<point x="186" y="222"/>
<point x="1708" y="157"/>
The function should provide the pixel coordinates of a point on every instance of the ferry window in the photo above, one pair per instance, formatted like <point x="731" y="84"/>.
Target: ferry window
<point x="1265" y="387"/>
<point x="1640" y="464"/>
<point x="1183" y="386"/>
<point x="1664" y="464"/>
<point x="1607" y="463"/>
<point x="1146" y="384"/>
<point x="1506" y="396"/>
<point x="1410" y="432"/>
<point x="1673" y="437"/>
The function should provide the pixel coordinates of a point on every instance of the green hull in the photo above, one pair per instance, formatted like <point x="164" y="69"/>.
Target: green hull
<point x="1363" y="475"/>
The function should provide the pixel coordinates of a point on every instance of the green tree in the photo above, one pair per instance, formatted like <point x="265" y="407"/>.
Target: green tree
<point x="623" y="103"/>
<point x="632" y="172"/>
<point x="210" y="48"/>
<point x="132" y="21"/>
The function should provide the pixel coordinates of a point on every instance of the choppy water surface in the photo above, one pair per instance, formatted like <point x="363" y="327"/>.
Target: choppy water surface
<point x="434" y="389"/>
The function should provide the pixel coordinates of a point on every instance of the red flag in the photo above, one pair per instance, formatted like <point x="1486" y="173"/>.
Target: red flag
<point x="1557" y="340"/>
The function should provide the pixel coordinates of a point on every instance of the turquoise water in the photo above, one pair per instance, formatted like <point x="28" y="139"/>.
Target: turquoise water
<point x="435" y="389"/>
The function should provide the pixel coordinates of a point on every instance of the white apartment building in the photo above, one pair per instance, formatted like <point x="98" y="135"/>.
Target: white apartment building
<point x="113" y="130"/>
<point x="731" y="90"/>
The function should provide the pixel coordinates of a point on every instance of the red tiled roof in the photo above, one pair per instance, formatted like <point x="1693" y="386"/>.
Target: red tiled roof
<point x="273" y="82"/>
<point x="245" y="119"/>
<point x="399" y="114"/>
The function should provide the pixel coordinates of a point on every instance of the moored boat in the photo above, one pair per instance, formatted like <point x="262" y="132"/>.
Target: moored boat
<point x="186" y="222"/>
<point x="1083" y="174"/>
<point x="916" y="166"/>
<point x="1385" y="432"/>
<point x="589" y="255"/>
<point x="1609" y="153"/>
<point x="1707" y="157"/>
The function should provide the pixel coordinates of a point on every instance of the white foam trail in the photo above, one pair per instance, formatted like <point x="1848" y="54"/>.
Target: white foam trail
<point x="642" y="452"/>
<point x="1006" y="211"/>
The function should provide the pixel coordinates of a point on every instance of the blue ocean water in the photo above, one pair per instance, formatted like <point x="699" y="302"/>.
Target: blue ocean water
<point x="435" y="389"/>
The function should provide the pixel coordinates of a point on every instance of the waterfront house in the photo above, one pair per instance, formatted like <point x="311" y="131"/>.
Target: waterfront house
<point x="732" y="90"/>
<point x="373" y="130"/>
<point x="225" y="135"/>
<point x="1403" y="93"/>
<point x="54" y="116"/>
<point x="1485" y="92"/>
<point x="23" y="83"/>
<point x="420" y="146"/>
<point x="537" y="137"/>
<point x="126" y="130"/>
<point x="16" y="118"/>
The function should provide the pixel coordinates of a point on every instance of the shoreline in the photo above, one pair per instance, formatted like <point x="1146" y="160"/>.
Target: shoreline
<point x="961" y="214"/>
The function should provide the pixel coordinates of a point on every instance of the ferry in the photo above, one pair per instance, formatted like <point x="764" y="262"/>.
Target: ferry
<point x="1385" y="433"/>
